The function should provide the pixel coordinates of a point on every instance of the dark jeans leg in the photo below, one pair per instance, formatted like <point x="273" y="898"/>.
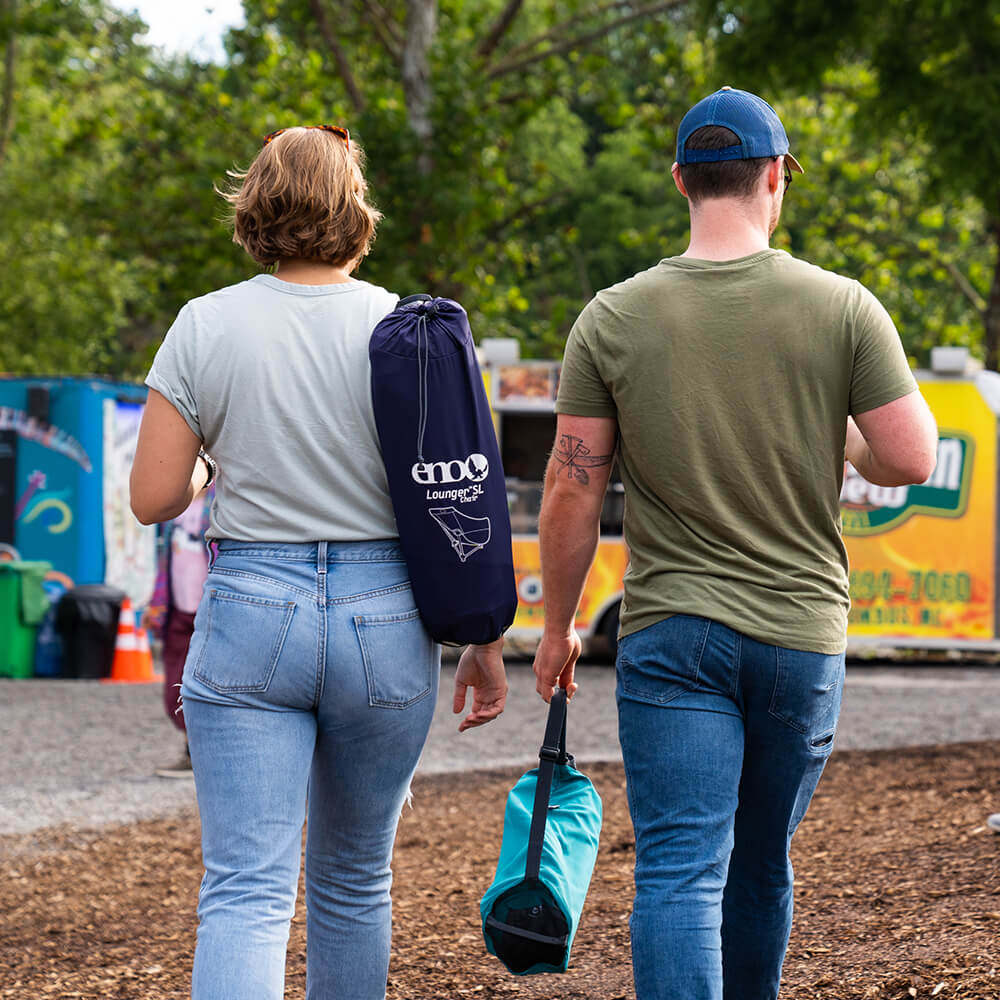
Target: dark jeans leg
<point x="792" y="701"/>
<point x="176" y="639"/>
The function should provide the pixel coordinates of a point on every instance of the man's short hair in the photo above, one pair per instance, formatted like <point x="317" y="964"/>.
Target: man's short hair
<point x="725" y="178"/>
<point x="303" y="197"/>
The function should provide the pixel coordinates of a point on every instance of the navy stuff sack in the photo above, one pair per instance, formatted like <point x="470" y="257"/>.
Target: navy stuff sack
<point x="443" y="465"/>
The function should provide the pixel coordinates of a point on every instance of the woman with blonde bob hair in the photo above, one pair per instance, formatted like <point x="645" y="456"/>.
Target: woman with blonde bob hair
<point x="310" y="680"/>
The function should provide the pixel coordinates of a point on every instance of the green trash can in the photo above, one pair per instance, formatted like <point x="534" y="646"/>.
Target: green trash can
<point x="23" y="604"/>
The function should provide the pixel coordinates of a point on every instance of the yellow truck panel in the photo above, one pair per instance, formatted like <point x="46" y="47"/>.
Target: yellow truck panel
<point x="923" y="558"/>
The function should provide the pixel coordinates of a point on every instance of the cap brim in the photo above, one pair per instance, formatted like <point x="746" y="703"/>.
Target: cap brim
<point x="793" y="163"/>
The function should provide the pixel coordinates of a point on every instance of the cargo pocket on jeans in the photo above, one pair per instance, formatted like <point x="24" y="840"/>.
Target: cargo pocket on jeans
<point x="398" y="656"/>
<point x="243" y="640"/>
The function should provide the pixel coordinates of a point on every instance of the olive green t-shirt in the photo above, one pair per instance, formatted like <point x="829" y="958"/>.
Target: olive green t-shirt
<point x="731" y="383"/>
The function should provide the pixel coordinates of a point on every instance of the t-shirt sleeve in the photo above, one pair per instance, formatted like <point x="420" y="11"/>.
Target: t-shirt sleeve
<point x="582" y="391"/>
<point x="174" y="368"/>
<point x="881" y="372"/>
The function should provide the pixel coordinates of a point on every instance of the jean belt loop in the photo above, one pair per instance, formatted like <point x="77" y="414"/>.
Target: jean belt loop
<point x="321" y="557"/>
<point x="212" y="547"/>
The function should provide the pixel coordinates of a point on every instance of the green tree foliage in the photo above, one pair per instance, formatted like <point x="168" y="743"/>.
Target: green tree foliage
<point x="615" y="210"/>
<point x="867" y="210"/>
<point x="106" y="189"/>
<point x="521" y="155"/>
<point x="934" y="87"/>
<point x="483" y="124"/>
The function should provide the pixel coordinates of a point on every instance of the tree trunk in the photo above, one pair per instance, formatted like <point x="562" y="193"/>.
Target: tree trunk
<point x="421" y="25"/>
<point x="339" y="56"/>
<point x="991" y="319"/>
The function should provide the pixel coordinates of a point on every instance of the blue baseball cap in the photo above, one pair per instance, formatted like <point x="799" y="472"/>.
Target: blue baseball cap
<point x="751" y="118"/>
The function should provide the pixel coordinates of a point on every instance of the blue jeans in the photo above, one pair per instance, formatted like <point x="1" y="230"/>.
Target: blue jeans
<point x="308" y="689"/>
<point x="724" y="740"/>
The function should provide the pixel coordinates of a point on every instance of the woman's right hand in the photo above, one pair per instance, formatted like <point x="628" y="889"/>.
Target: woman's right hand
<point x="482" y="669"/>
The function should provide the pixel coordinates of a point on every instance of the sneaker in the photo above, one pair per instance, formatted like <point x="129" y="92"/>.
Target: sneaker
<point x="182" y="769"/>
<point x="993" y="822"/>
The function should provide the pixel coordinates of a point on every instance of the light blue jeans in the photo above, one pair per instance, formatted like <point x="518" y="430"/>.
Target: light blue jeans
<point x="724" y="740"/>
<point x="309" y="689"/>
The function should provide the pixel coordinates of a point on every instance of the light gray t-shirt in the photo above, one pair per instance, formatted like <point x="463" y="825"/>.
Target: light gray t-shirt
<point x="274" y="377"/>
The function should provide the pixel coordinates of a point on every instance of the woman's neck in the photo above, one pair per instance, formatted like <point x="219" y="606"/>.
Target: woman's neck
<point x="301" y="271"/>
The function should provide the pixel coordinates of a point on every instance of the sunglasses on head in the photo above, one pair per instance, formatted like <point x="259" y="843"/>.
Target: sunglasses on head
<point x="337" y="130"/>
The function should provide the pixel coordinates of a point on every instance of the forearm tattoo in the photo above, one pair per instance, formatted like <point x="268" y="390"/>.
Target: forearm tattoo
<point x="574" y="456"/>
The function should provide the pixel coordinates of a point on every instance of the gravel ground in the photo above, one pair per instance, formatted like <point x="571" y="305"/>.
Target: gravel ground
<point x="83" y="753"/>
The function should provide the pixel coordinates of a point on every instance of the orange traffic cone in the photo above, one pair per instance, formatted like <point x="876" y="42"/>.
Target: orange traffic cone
<point x="128" y="665"/>
<point x="145" y="655"/>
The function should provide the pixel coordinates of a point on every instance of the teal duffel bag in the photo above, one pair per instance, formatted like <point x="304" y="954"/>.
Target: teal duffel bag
<point x="551" y="829"/>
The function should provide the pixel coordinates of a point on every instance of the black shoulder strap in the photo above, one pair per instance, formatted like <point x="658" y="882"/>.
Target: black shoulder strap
<point x="414" y="299"/>
<point x="553" y="752"/>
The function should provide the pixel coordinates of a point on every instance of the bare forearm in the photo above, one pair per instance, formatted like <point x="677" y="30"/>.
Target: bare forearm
<point x="569" y="525"/>
<point x="569" y="529"/>
<point x="167" y="473"/>
<point x="859" y="454"/>
<point x="156" y="509"/>
<point x="911" y="462"/>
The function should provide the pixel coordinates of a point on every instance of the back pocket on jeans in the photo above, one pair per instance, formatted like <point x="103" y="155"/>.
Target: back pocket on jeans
<point x="662" y="661"/>
<point x="399" y="658"/>
<point x="807" y="693"/>
<point x="243" y="640"/>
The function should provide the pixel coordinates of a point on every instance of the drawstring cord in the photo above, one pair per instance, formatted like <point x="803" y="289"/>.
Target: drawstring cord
<point x="423" y="352"/>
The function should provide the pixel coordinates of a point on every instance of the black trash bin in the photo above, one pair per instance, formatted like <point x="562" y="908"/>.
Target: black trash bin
<point x="87" y="619"/>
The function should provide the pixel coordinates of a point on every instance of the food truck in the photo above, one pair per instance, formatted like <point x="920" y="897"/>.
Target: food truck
<point x="923" y="559"/>
<point x="66" y="447"/>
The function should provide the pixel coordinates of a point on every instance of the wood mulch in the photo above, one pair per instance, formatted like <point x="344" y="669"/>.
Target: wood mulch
<point x="898" y="894"/>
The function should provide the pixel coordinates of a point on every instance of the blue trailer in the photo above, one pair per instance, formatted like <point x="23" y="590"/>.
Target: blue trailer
<point x="66" y="446"/>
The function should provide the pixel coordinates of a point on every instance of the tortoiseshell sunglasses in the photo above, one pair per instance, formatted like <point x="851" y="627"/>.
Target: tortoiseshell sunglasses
<point x="337" y="130"/>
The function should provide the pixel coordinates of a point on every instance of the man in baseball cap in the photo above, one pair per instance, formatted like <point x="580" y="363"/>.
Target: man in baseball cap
<point x="728" y="383"/>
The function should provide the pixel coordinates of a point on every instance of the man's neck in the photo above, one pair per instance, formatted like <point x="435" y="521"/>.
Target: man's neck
<point x="728" y="228"/>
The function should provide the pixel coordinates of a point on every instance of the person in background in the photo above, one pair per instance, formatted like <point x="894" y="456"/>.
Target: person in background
<point x="310" y="680"/>
<point x="182" y="570"/>
<point x="729" y="382"/>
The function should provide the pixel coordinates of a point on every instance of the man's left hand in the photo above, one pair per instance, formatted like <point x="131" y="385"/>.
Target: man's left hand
<point x="555" y="659"/>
